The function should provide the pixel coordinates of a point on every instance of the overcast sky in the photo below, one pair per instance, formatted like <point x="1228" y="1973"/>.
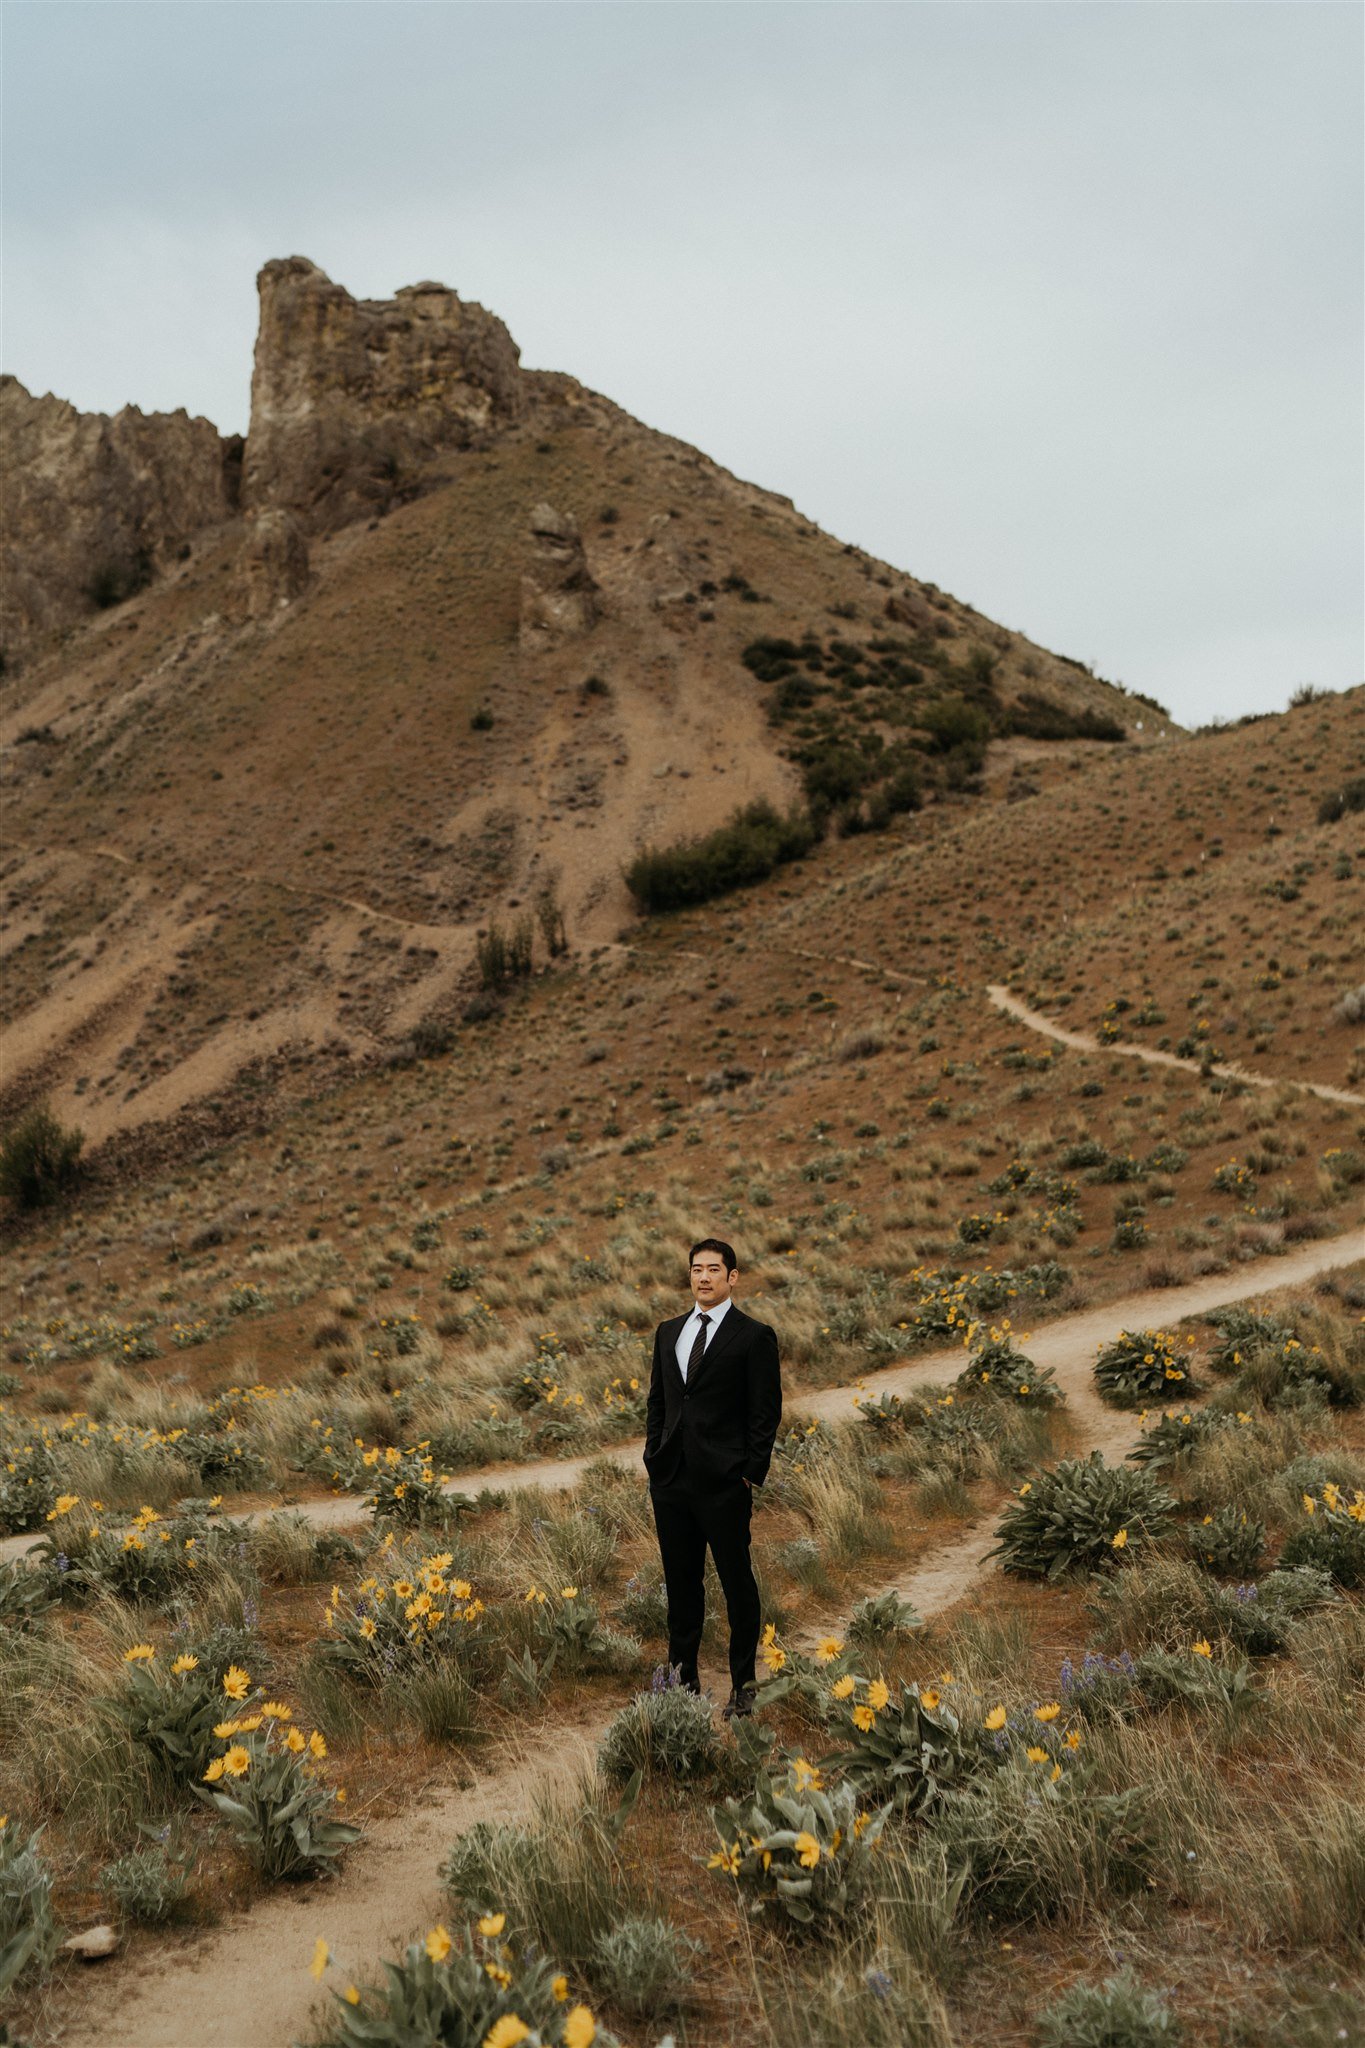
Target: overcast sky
<point x="1056" y="305"/>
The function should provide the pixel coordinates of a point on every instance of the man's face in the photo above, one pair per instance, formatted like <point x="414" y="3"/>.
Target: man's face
<point x="710" y="1281"/>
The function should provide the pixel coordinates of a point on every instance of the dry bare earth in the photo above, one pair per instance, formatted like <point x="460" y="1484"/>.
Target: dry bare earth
<point x="247" y="1983"/>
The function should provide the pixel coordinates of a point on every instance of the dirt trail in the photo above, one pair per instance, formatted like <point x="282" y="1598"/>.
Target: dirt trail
<point x="247" y="1982"/>
<point x="1084" y="1041"/>
<point x="1067" y="1345"/>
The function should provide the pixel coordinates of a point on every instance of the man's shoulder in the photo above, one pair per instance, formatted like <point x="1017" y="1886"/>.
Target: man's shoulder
<point x="755" y="1323"/>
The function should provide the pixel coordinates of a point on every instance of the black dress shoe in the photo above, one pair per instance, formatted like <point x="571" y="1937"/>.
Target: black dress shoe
<point x="740" y="1703"/>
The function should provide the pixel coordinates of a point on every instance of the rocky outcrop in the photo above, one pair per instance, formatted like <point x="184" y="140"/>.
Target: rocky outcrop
<point x="558" y="594"/>
<point x="95" y="504"/>
<point x="908" y="608"/>
<point x="350" y="397"/>
<point x="272" y="568"/>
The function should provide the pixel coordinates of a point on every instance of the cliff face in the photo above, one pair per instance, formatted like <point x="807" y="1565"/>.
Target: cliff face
<point x="94" y="504"/>
<point x="349" y="397"/>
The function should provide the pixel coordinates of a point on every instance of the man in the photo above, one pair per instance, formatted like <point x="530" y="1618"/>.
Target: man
<point x="715" y="1400"/>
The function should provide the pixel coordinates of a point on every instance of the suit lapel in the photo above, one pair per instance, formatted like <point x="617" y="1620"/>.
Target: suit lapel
<point x="672" y="1330"/>
<point x="729" y="1328"/>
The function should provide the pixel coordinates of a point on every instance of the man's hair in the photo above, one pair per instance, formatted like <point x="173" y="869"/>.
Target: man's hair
<point x="715" y="1244"/>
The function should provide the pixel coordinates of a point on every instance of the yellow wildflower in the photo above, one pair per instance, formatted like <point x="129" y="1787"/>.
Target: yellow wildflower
<point x="560" y="1988"/>
<point x="236" y="1684"/>
<point x="492" y="1923"/>
<point x="842" y="1687"/>
<point x="580" y="2028"/>
<point x="317" y="1745"/>
<point x="828" y="1650"/>
<point x="141" y="1653"/>
<point x="322" y="1955"/>
<point x="506" y="2032"/>
<point x="438" y="1944"/>
<point x="864" y="1719"/>
<point x="878" y="1694"/>
<point x="237" y="1761"/>
<point x="1202" y="1648"/>
<point x="807" y="1850"/>
<point x="1048" y="1712"/>
<point x="1119" y="1540"/>
<point x="184" y="1662"/>
<point x="996" y="1718"/>
<point x="1036" y="1755"/>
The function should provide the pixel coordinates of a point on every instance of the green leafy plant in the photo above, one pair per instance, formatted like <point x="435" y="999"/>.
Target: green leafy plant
<point x="907" y="1745"/>
<point x="170" y="1708"/>
<point x="1227" y="1541"/>
<point x="1035" y="1842"/>
<point x="998" y="1369"/>
<point x="882" y="1618"/>
<point x="466" y="1990"/>
<point x="28" y="1932"/>
<point x="797" y="1850"/>
<point x="668" y="1732"/>
<point x="39" y="1159"/>
<point x="1118" y="2013"/>
<point x="1177" y="1434"/>
<point x="1331" y="1536"/>
<point x="1141" y="1366"/>
<point x="26" y="1594"/>
<point x="1083" y="1514"/>
<point x="266" y="1786"/>
<point x="149" y="1885"/>
<point x="644" y="1966"/>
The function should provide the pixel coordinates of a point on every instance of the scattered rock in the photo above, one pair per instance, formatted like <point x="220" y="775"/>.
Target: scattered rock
<point x="907" y="608"/>
<point x="92" y="1943"/>
<point x="558" y="594"/>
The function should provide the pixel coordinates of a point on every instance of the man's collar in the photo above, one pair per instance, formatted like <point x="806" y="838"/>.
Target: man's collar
<point x="717" y="1310"/>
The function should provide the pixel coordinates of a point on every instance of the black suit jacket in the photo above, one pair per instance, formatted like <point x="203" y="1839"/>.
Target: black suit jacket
<point x="724" y="1420"/>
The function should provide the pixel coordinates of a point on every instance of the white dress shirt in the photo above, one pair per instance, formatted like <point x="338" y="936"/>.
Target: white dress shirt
<point x="687" y="1336"/>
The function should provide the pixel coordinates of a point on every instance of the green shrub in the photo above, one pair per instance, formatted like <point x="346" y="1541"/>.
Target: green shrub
<point x="28" y="1933"/>
<point x="881" y="1619"/>
<point x="28" y="1481"/>
<point x="1330" y="1538"/>
<point x="644" y="1966"/>
<point x="170" y="1709"/>
<point x="148" y="1559"/>
<point x="1001" y="1371"/>
<point x="26" y="1594"/>
<point x="1228" y="1541"/>
<point x="668" y="1732"/>
<point x="756" y="840"/>
<point x="557" y="1876"/>
<point x="797" y="1850"/>
<point x="1141" y="1366"/>
<point x="39" y="1159"/>
<point x="454" y="1991"/>
<point x="1042" y="718"/>
<point x="955" y="727"/>
<point x="1081" y="1515"/>
<point x="1039" y="1846"/>
<point x="1170" y="1603"/>
<point x="266" y="1786"/>
<point x="573" y="1637"/>
<point x="1115" y="2014"/>
<point x="907" y="1746"/>
<point x="1339" y="802"/>
<point x="1176" y="1435"/>
<point x="148" y="1886"/>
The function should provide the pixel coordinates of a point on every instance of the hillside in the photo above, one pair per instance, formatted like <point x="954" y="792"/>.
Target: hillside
<point x="263" y="785"/>
<point x="1034" y="1108"/>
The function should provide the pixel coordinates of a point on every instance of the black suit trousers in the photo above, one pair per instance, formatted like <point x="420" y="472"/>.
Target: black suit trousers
<point x="689" y="1520"/>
